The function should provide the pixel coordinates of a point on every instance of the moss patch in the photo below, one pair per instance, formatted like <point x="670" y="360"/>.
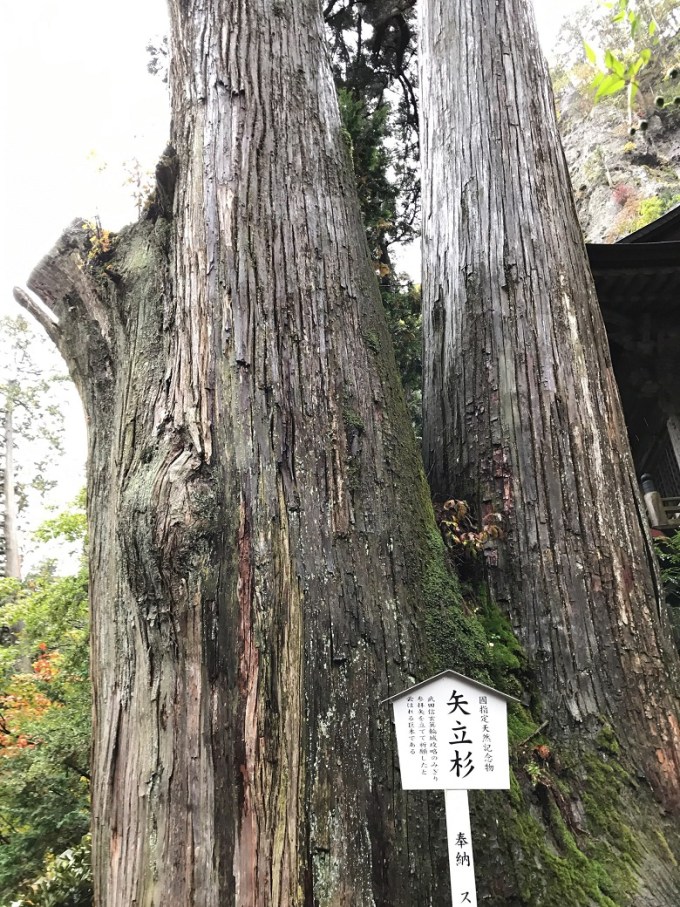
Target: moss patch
<point x="455" y="639"/>
<point x="565" y="849"/>
<point x="372" y="341"/>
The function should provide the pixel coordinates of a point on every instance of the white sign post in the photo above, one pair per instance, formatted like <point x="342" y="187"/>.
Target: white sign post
<point x="452" y="735"/>
<point x="461" y="861"/>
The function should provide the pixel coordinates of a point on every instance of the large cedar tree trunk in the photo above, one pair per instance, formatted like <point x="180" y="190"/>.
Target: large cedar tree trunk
<point x="260" y="523"/>
<point x="521" y="409"/>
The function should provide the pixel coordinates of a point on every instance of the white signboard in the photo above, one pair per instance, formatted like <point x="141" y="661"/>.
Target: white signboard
<point x="452" y="735"/>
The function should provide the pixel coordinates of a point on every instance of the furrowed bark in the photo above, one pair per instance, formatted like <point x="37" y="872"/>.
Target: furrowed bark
<point x="529" y="422"/>
<point x="260" y="523"/>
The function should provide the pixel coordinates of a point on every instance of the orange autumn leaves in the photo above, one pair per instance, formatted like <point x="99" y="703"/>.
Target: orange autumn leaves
<point x="25" y="703"/>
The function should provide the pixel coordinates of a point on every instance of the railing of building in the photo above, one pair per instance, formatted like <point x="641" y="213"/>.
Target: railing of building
<point x="663" y="512"/>
<point x="671" y="508"/>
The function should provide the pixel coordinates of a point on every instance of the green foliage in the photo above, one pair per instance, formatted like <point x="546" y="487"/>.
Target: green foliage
<point x="66" y="880"/>
<point x="374" y="68"/>
<point x="641" y="35"/>
<point x="403" y="307"/>
<point x="367" y="130"/>
<point x="70" y="525"/>
<point x="637" y="213"/>
<point x="373" y="57"/>
<point x="653" y="208"/>
<point x="44" y="730"/>
<point x="618" y="74"/>
<point x="668" y="552"/>
<point x="620" y="71"/>
<point x="30" y="373"/>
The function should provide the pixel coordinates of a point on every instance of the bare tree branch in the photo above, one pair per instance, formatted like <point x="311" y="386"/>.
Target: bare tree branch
<point x="67" y="288"/>
<point x="81" y="311"/>
<point x="46" y="322"/>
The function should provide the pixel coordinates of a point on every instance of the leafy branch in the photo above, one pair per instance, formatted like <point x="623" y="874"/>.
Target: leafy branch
<point x="618" y="72"/>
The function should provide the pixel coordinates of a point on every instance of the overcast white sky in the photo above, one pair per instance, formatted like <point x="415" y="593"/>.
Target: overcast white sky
<point x="75" y="95"/>
<point x="73" y="81"/>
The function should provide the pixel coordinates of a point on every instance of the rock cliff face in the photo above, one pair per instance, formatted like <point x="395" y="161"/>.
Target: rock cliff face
<point x="621" y="181"/>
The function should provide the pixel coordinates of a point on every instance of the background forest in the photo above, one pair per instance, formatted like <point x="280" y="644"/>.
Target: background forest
<point x="624" y="158"/>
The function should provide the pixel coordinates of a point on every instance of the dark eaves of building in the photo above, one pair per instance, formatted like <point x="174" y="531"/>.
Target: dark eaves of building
<point x="638" y="286"/>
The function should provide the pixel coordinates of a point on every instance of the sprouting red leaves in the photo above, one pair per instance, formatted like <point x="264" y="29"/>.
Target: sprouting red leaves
<point x="460" y="531"/>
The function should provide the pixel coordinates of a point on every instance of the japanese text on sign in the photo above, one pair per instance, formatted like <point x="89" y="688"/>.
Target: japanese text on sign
<point x="452" y="735"/>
